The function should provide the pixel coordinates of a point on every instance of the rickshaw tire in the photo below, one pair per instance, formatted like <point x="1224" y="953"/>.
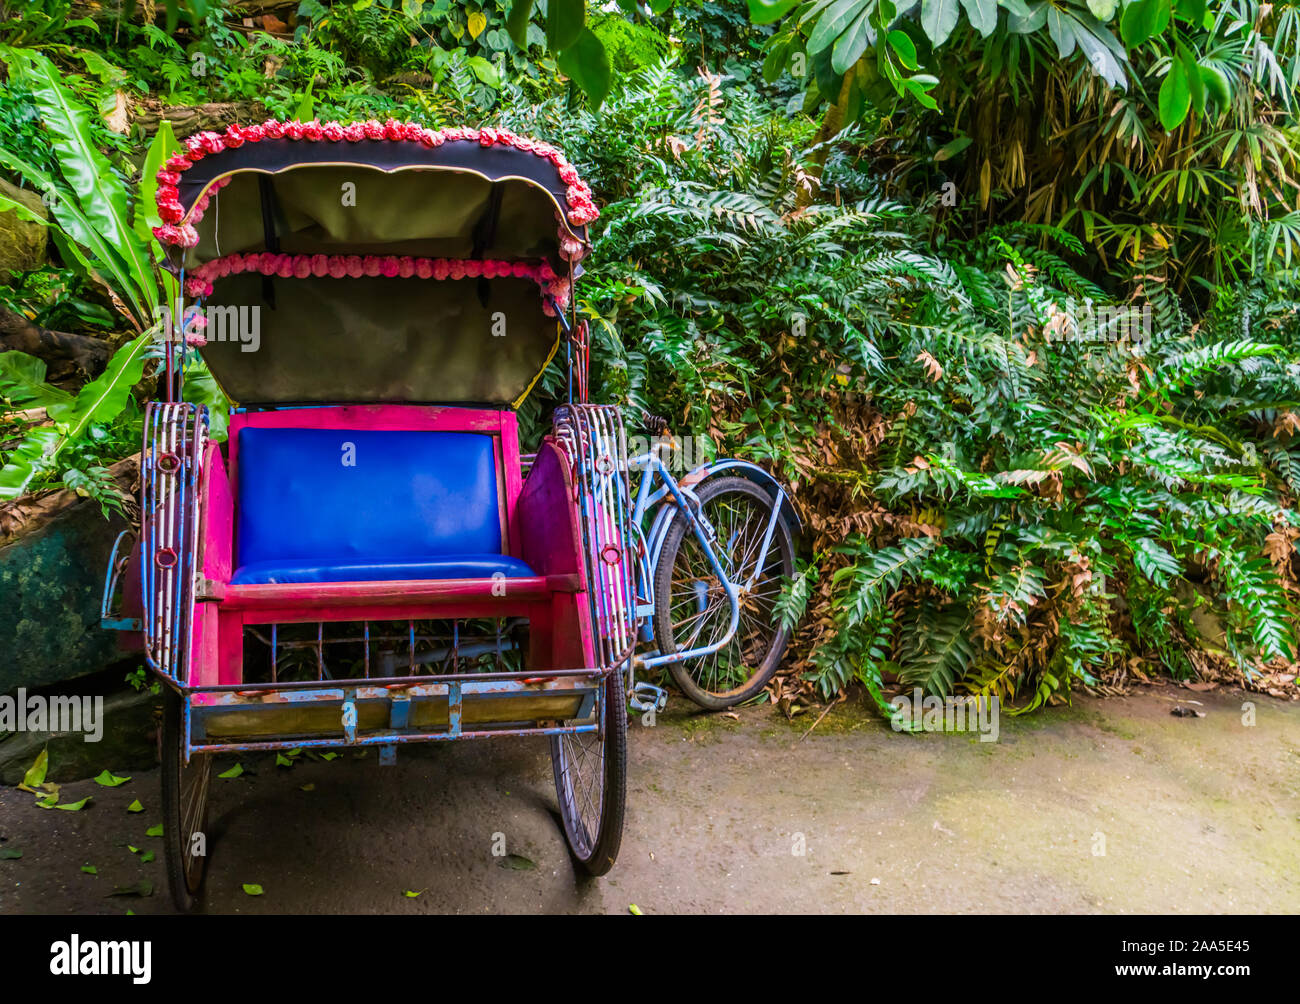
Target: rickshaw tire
<point x="605" y="852"/>
<point x="186" y="896"/>
<point x="783" y="539"/>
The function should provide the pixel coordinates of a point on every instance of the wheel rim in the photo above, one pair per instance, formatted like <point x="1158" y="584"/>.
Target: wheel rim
<point x="194" y="781"/>
<point x="698" y="610"/>
<point x="581" y="767"/>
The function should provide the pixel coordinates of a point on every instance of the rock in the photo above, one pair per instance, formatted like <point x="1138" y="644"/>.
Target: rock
<point x="22" y="241"/>
<point x="51" y="583"/>
<point x="129" y="742"/>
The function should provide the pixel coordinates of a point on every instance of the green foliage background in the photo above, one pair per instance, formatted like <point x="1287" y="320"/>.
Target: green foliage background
<point x="880" y="277"/>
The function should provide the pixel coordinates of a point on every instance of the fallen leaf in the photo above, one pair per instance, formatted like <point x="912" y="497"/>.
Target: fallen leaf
<point x="35" y="775"/>
<point x="252" y="889"/>
<point x="135" y="806"/>
<point x="9" y="854"/>
<point x="90" y="869"/>
<point x="634" y="910"/>
<point x="74" y="806"/>
<point x="411" y="895"/>
<point x="110" y="780"/>
<point x="154" y="831"/>
<point x="517" y="862"/>
<point x="142" y="888"/>
<point x="282" y="761"/>
<point x="309" y="786"/>
<point x="146" y="857"/>
<point x="234" y="771"/>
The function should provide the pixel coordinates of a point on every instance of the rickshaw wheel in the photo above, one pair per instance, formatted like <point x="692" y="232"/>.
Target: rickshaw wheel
<point x="185" y="808"/>
<point x="591" y="784"/>
<point x="691" y="608"/>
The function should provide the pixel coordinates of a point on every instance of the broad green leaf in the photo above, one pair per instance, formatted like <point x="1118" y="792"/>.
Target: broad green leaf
<point x="1195" y="83"/>
<point x="135" y="806"/>
<point x="411" y="895"/>
<point x="100" y="193"/>
<point x="919" y="86"/>
<point x="833" y="22"/>
<point x="1102" y="50"/>
<point x="76" y="229"/>
<point x="74" y="806"/>
<point x="565" y="22"/>
<point x="952" y="148"/>
<point x="26" y="461"/>
<point x="904" y="49"/>
<point x="938" y="18"/>
<point x="1103" y="10"/>
<point x="1028" y="23"/>
<point x="22" y="382"/>
<point x="1216" y="85"/>
<point x="1143" y="19"/>
<point x="154" y="831"/>
<point x="110" y="780"/>
<point x="587" y="63"/>
<point x="1191" y="11"/>
<point x="252" y="888"/>
<point x="484" y="70"/>
<point x="101" y="400"/>
<point x="1060" y="26"/>
<point x="850" y="46"/>
<point x="90" y="869"/>
<point x="234" y="771"/>
<point x="517" y="21"/>
<point x="1175" y="96"/>
<point x="982" y="14"/>
<point x="767" y="11"/>
<point x="10" y="854"/>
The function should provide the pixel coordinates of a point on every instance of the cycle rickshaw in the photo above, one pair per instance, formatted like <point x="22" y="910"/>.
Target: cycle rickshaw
<point x="367" y="560"/>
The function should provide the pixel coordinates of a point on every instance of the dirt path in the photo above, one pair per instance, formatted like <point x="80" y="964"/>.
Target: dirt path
<point x="1196" y="814"/>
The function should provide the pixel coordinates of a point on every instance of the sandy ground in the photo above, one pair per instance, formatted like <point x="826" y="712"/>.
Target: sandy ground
<point x="1192" y="814"/>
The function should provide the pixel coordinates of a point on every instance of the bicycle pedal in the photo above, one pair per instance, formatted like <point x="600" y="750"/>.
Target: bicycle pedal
<point x="648" y="697"/>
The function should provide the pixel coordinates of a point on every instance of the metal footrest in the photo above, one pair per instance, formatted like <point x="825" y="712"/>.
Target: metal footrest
<point x="648" y="697"/>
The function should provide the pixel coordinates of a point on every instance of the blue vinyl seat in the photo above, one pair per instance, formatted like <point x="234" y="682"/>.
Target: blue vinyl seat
<point x="324" y="505"/>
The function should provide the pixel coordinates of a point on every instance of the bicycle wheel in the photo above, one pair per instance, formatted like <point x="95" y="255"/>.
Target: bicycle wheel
<point x="185" y="808"/>
<point x="591" y="783"/>
<point x="691" y="607"/>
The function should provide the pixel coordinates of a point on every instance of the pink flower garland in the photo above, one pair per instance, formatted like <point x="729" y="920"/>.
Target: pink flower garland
<point x="177" y="230"/>
<point x="301" y="266"/>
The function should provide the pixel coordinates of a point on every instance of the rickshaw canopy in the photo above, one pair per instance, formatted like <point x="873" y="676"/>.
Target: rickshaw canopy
<point x="386" y="261"/>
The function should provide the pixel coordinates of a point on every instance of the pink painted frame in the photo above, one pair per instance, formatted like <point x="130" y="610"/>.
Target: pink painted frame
<point x="554" y="600"/>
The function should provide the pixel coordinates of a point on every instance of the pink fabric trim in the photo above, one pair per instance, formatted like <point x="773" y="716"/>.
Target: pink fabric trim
<point x="178" y="230"/>
<point x="288" y="266"/>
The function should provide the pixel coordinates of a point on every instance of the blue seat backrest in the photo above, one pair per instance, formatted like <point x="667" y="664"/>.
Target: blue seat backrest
<point x="343" y="495"/>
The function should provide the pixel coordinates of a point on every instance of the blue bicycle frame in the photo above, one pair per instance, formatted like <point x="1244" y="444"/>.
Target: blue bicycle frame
<point x="683" y="500"/>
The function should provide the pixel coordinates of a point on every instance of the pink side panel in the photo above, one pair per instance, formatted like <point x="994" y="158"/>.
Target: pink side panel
<point x="513" y="475"/>
<point x="218" y="517"/>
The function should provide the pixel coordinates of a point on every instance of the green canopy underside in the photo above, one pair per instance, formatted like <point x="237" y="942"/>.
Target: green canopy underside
<point x="325" y="340"/>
